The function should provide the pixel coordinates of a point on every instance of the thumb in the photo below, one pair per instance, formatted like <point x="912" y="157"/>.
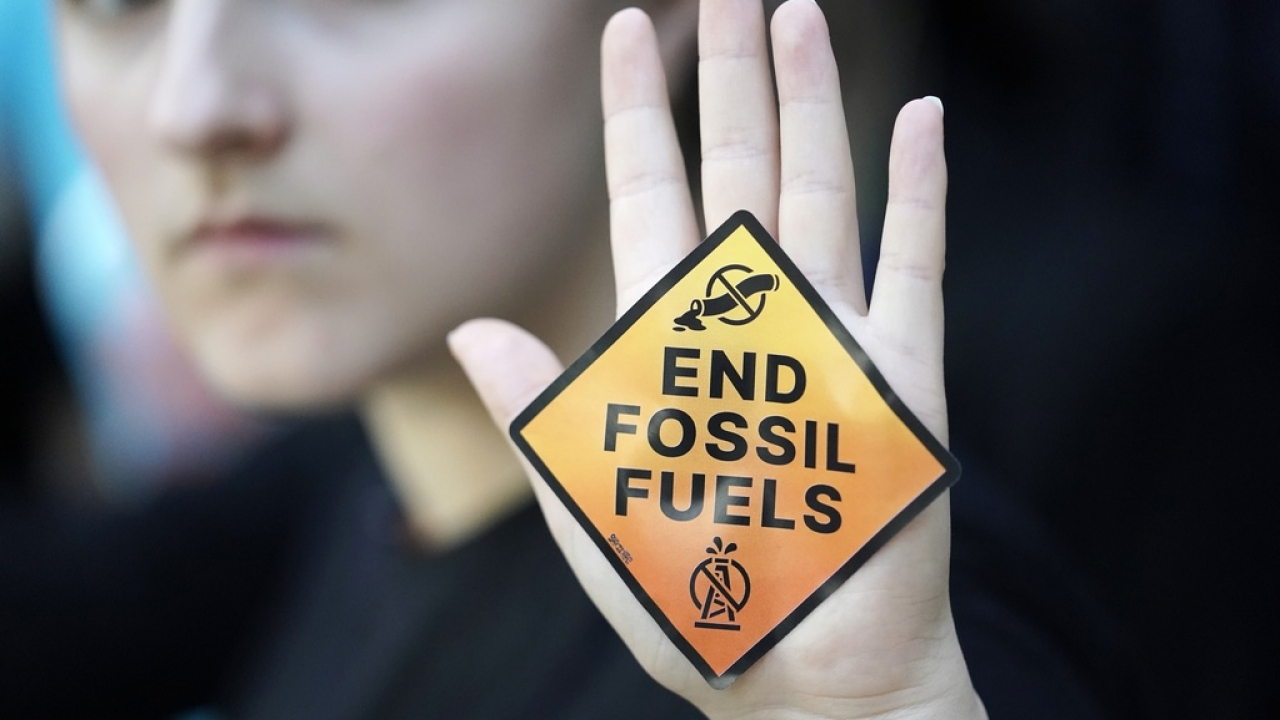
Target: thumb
<point x="509" y="367"/>
<point x="506" y="364"/>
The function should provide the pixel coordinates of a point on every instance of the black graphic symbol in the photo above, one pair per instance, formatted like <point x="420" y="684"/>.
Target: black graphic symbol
<point x="735" y="303"/>
<point x="720" y="588"/>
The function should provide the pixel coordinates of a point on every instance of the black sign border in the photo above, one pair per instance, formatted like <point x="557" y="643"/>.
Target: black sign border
<point x="951" y="473"/>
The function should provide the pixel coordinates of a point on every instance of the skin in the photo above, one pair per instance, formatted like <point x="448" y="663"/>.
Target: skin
<point x="437" y="178"/>
<point x="412" y="167"/>
<point x="406" y="172"/>
<point x="884" y="644"/>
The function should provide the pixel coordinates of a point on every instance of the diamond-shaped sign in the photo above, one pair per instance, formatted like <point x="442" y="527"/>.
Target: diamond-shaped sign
<point x="732" y="450"/>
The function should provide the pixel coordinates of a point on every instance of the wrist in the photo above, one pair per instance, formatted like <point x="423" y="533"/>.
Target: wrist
<point x="936" y="689"/>
<point x="962" y="704"/>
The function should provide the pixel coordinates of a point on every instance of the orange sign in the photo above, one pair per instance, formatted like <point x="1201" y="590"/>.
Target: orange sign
<point x="732" y="450"/>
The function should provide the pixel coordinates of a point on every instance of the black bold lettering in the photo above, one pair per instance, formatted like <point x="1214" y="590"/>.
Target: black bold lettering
<point x="612" y="426"/>
<point x="737" y="444"/>
<point x="671" y="369"/>
<point x="722" y="368"/>
<point x="813" y="498"/>
<point x="688" y="433"/>
<point x="697" y="488"/>
<point x="833" y="451"/>
<point x="624" y="489"/>
<point x="811" y="443"/>
<point x="772" y="382"/>
<point x="786" y="449"/>
<point x="724" y="499"/>
<point x="769" y="509"/>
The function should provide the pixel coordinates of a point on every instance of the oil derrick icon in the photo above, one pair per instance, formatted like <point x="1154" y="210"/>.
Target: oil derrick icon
<point x="720" y="588"/>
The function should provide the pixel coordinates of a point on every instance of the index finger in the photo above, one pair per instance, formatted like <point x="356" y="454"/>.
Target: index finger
<point x="651" y="216"/>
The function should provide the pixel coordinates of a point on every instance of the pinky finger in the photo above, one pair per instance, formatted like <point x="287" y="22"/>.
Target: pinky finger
<point x="906" y="303"/>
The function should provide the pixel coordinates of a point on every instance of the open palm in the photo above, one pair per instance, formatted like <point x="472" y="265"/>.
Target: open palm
<point x="885" y="641"/>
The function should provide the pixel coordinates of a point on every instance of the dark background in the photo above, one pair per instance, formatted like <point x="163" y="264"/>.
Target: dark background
<point x="1111" y="313"/>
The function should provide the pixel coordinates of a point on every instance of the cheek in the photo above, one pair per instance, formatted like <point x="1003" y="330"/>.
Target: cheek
<point x="434" y="138"/>
<point x="459" y="176"/>
<point x="108" y="105"/>
<point x="100" y="124"/>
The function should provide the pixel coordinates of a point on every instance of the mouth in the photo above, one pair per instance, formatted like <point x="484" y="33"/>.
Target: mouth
<point x="251" y="242"/>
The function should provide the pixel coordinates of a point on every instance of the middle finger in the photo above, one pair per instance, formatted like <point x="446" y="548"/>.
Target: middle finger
<point x="739" y="116"/>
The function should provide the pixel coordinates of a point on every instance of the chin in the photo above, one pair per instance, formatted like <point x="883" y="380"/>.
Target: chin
<point x="266" y="379"/>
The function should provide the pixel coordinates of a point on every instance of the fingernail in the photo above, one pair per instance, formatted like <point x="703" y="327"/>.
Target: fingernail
<point x="937" y="102"/>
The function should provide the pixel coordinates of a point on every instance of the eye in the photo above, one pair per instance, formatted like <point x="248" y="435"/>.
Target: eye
<point x="108" y="9"/>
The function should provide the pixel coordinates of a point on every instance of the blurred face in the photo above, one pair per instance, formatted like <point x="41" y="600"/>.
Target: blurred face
<point x="321" y="189"/>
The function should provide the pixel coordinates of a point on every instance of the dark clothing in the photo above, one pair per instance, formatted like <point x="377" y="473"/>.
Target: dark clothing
<point x="141" y="612"/>
<point x="496" y="628"/>
<point x="145" y="615"/>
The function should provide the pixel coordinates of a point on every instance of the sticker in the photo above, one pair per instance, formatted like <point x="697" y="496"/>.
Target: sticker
<point x="732" y="450"/>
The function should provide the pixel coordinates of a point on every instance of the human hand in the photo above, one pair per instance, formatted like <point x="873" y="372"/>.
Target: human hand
<point x="884" y="644"/>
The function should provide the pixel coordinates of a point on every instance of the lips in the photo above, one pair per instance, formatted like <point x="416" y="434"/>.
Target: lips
<point x="253" y="242"/>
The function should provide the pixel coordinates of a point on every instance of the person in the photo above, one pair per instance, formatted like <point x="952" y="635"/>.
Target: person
<point x="323" y="190"/>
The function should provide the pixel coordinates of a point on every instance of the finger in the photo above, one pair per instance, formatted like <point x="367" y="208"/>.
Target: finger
<point x="508" y="368"/>
<point x="906" y="303"/>
<point x="818" y="215"/>
<point x="507" y="365"/>
<point x="739" y="116"/>
<point x="652" y="221"/>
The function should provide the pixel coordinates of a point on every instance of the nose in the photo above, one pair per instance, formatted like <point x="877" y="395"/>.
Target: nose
<point x="214" y="97"/>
